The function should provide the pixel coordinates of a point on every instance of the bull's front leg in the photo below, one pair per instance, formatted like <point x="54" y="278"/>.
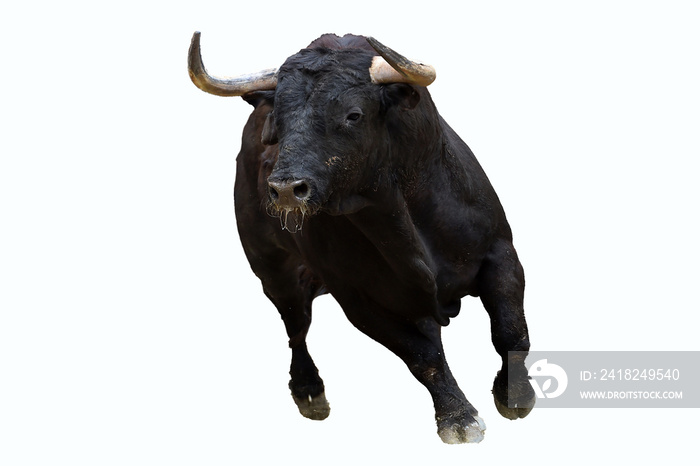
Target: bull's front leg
<point x="292" y="288"/>
<point x="457" y="419"/>
<point x="501" y="288"/>
<point x="419" y="345"/>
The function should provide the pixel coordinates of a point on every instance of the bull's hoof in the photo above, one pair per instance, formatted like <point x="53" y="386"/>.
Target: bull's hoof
<point x="514" y="399"/>
<point x="316" y="408"/>
<point x="518" y="411"/>
<point x="468" y="432"/>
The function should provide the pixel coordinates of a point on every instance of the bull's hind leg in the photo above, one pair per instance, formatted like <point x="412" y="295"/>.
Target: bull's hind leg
<point x="501" y="286"/>
<point x="419" y="345"/>
<point x="292" y="288"/>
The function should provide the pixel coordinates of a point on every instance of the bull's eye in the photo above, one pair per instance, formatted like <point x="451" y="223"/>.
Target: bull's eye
<point x="354" y="115"/>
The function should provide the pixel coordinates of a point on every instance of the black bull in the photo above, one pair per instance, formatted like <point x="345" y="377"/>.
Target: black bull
<point x="350" y="182"/>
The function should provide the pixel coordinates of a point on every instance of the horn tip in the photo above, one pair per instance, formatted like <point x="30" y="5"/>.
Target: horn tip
<point x="195" y="37"/>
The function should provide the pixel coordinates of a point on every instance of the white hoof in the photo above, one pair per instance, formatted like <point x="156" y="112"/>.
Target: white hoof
<point x="471" y="433"/>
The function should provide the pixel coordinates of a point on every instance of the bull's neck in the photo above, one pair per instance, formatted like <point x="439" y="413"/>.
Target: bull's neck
<point x="425" y="164"/>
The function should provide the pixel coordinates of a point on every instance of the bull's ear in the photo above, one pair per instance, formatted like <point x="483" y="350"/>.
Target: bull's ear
<point x="269" y="131"/>
<point x="403" y="95"/>
<point x="258" y="98"/>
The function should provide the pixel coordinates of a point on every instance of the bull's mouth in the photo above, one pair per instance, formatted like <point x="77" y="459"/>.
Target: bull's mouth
<point x="291" y="219"/>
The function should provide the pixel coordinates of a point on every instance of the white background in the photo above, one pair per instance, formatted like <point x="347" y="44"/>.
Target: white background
<point x="132" y="330"/>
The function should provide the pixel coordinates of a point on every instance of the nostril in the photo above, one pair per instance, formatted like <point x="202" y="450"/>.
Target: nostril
<point x="289" y="194"/>
<point x="301" y="191"/>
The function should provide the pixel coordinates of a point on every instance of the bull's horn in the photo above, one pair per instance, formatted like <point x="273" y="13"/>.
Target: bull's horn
<point x="392" y="67"/>
<point x="227" y="87"/>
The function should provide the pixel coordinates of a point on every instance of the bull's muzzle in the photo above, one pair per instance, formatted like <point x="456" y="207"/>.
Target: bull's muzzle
<point x="289" y="201"/>
<point x="289" y="194"/>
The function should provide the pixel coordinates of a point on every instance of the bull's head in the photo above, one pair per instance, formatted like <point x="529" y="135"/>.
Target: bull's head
<point x="329" y="120"/>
